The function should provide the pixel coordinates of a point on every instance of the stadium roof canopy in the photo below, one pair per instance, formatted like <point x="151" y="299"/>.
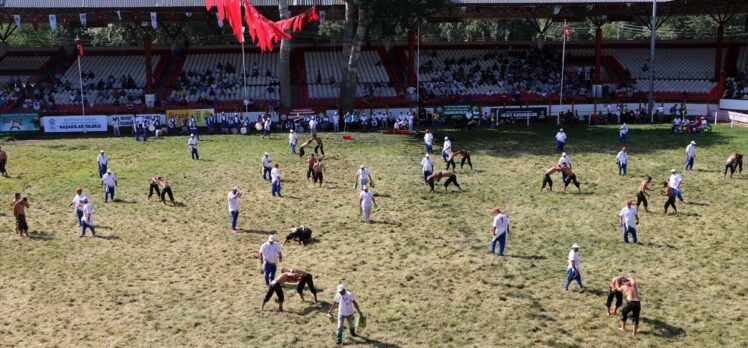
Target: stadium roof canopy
<point x="572" y="10"/>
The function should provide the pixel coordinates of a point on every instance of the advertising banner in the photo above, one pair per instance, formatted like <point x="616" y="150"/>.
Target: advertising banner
<point x="521" y="113"/>
<point x="19" y="123"/>
<point x="184" y="114"/>
<point x="457" y="111"/>
<point x="75" y="124"/>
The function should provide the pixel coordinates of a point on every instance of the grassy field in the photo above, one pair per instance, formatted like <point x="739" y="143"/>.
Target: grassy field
<point x="163" y="277"/>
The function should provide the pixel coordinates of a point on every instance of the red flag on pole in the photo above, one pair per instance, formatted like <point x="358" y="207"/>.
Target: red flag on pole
<point x="567" y="32"/>
<point x="78" y="46"/>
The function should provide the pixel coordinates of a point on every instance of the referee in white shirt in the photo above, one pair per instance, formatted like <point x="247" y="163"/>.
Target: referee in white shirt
<point x="102" y="160"/>
<point x="193" y="147"/>
<point x="109" y="181"/>
<point x="427" y="166"/>
<point x="499" y="231"/>
<point x="270" y="255"/>
<point x="428" y="140"/>
<point x="628" y="218"/>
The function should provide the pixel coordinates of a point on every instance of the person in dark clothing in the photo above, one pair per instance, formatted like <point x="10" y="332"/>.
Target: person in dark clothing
<point x="301" y="234"/>
<point x="641" y="196"/>
<point x="547" y="177"/>
<point x="735" y="161"/>
<point x="303" y="278"/>
<point x="668" y="192"/>
<point x="452" y="179"/>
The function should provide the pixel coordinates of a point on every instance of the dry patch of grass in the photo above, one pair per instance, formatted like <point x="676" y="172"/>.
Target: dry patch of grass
<point x="168" y="276"/>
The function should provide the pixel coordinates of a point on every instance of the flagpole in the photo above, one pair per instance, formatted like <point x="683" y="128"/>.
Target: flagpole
<point x="563" y="63"/>
<point x="244" y="75"/>
<point x="418" y="70"/>
<point x="80" y="79"/>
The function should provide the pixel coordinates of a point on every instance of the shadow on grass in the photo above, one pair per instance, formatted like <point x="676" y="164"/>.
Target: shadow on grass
<point x="118" y="200"/>
<point x="372" y="342"/>
<point x="112" y="237"/>
<point x="699" y="204"/>
<point x="41" y="236"/>
<point x="528" y="257"/>
<point x="708" y="171"/>
<point x="663" y="329"/>
<point x="665" y="246"/>
<point x="249" y="230"/>
<point x="596" y="292"/>
<point x="384" y="222"/>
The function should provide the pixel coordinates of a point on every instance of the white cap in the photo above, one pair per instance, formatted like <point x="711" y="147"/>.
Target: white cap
<point x="290" y="131"/>
<point x="102" y="151"/>
<point x="446" y="138"/>
<point x="563" y="154"/>
<point x="362" y="166"/>
<point x="575" y="246"/>
<point x="267" y="154"/>
<point x="271" y="238"/>
<point x="109" y="171"/>
<point x="84" y="198"/>
<point x="672" y="170"/>
<point x="341" y="287"/>
<point x="192" y="135"/>
<point x="561" y="130"/>
<point x="364" y="187"/>
<point x="235" y="188"/>
<point x="693" y="142"/>
<point x="427" y="155"/>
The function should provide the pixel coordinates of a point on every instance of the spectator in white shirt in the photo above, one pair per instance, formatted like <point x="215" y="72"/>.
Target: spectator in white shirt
<point x="499" y="231"/>
<point x="366" y="199"/>
<point x="270" y="255"/>
<point x="674" y="184"/>
<point x="628" y="219"/>
<point x="266" y="166"/>
<point x="560" y="140"/>
<point x="77" y="202"/>
<point x="446" y="149"/>
<point x="233" y="199"/>
<point x="345" y="301"/>
<point x="115" y="126"/>
<point x="690" y="155"/>
<point x="275" y="184"/>
<point x="622" y="133"/>
<point x="102" y="160"/>
<point x="313" y="126"/>
<point x="564" y="160"/>
<point x="292" y="138"/>
<point x="427" y="166"/>
<point x="109" y="181"/>
<point x="622" y="160"/>
<point x="363" y="177"/>
<point x="87" y="220"/>
<point x="193" y="147"/>
<point x="428" y="140"/>
<point x="572" y="271"/>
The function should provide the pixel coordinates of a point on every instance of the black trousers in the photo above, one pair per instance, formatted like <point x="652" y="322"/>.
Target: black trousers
<point x="309" y="172"/>
<point x="321" y="149"/>
<point x="617" y="295"/>
<point x="641" y="198"/>
<point x="431" y="184"/>
<point x="317" y="177"/>
<point x="633" y="308"/>
<point x="731" y="167"/>
<point x="301" y="151"/>
<point x="462" y="163"/>
<point x="164" y="192"/>
<point x="308" y="280"/>
<point x="154" y="187"/>
<point x="570" y="179"/>
<point x="547" y="180"/>
<point x="671" y="202"/>
<point x="451" y="163"/>
<point x="452" y="180"/>
<point x="275" y="288"/>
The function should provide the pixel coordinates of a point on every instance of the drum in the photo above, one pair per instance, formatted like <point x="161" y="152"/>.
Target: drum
<point x="243" y="130"/>
<point x="152" y="128"/>
<point x="258" y="126"/>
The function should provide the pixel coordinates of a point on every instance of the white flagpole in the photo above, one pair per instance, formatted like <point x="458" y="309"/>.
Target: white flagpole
<point x="244" y="74"/>
<point x="418" y="70"/>
<point x="563" y="63"/>
<point x="80" y="79"/>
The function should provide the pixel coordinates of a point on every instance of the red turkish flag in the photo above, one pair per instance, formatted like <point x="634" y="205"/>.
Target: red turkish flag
<point x="78" y="46"/>
<point x="35" y="22"/>
<point x="567" y="32"/>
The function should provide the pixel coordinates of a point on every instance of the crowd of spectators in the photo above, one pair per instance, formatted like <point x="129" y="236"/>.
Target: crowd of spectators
<point x="224" y="83"/>
<point x="11" y="91"/>
<point x="736" y="84"/>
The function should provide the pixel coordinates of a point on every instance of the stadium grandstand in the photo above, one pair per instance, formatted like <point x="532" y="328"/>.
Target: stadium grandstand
<point x="115" y="80"/>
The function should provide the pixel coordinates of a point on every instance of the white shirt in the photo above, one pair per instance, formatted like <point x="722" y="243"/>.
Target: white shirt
<point x="447" y="146"/>
<point x="275" y="174"/>
<point x="690" y="150"/>
<point x="629" y="215"/>
<point x="366" y="198"/>
<point x="362" y="173"/>
<point x="501" y="222"/>
<point x="292" y="138"/>
<point x="266" y="161"/>
<point x="427" y="165"/>
<point x="428" y="138"/>
<point x="109" y="179"/>
<point x="77" y="201"/>
<point x="622" y="157"/>
<point x="102" y="159"/>
<point x="233" y="201"/>
<point x="345" y="303"/>
<point x="561" y="136"/>
<point x="564" y="159"/>
<point x="674" y="180"/>
<point x="270" y="251"/>
<point x="192" y="143"/>
<point x="624" y="129"/>
<point x="88" y="214"/>
<point x="573" y="258"/>
<point x="312" y="124"/>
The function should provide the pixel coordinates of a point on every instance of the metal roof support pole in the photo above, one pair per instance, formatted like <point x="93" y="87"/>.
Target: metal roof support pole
<point x="650" y="106"/>
<point x="718" y="58"/>
<point x="148" y="48"/>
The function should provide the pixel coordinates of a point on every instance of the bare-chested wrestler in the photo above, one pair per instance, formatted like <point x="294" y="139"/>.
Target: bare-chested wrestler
<point x="303" y="146"/>
<point x="570" y="177"/>
<point x="547" y="177"/>
<point x="303" y="278"/>
<point x="311" y="161"/>
<point x="641" y="196"/>
<point x="465" y="158"/>
<point x="614" y="294"/>
<point x="275" y="287"/>
<point x="452" y="179"/>
<point x="633" y="305"/>
<point x="319" y="170"/>
<point x="735" y="161"/>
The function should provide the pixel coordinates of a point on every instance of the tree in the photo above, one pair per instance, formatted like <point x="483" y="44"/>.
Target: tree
<point x="349" y="81"/>
<point x="284" y="60"/>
